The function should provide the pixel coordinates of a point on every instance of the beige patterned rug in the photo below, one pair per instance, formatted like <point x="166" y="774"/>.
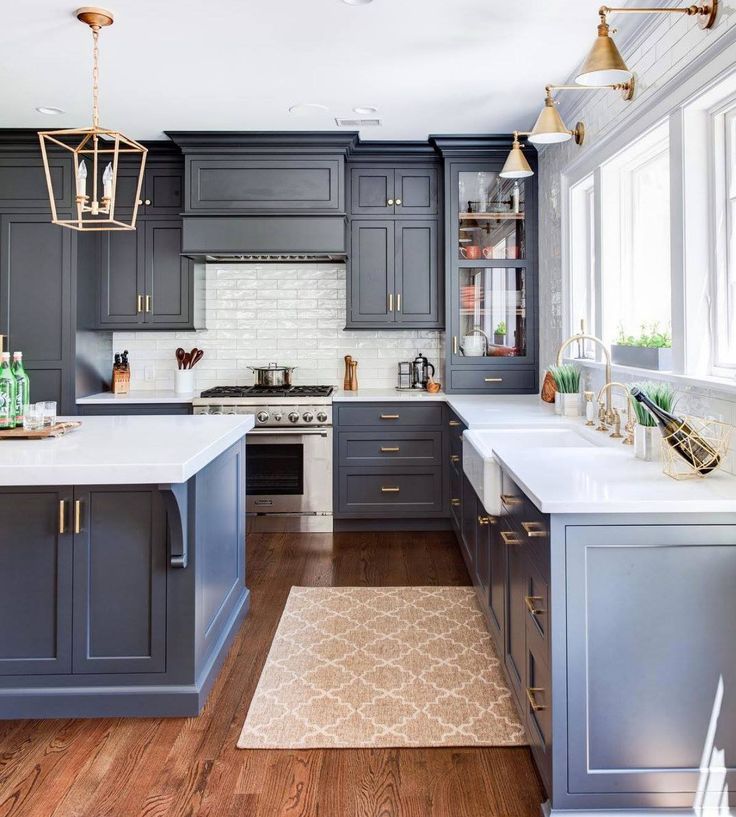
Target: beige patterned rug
<point x="359" y="667"/>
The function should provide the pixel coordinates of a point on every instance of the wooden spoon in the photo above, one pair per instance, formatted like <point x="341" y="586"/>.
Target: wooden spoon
<point x="180" y="357"/>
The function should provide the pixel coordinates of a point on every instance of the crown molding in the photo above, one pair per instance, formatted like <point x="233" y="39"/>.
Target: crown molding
<point x="312" y="142"/>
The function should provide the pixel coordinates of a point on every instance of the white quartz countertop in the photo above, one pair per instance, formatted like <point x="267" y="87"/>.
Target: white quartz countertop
<point x="138" y="396"/>
<point x="386" y="395"/>
<point x="122" y="450"/>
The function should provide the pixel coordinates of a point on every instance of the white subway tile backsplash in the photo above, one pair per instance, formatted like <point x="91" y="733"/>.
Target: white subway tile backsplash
<point x="293" y="314"/>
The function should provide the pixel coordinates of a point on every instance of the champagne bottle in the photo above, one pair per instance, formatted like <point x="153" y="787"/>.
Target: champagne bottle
<point x="22" y="388"/>
<point x="7" y="393"/>
<point x="681" y="436"/>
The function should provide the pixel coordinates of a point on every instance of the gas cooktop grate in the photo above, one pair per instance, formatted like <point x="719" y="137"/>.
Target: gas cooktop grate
<point x="268" y="391"/>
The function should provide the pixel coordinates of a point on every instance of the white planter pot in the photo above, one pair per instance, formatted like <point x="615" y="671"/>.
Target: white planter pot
<point x="647" y="443"/>
<point x="567" y="405"/>
<point x="184" y="381"/>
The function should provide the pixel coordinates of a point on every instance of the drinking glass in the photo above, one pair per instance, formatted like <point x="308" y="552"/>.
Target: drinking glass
<point x="49" y="413"/>
<point x="33" y="417"/>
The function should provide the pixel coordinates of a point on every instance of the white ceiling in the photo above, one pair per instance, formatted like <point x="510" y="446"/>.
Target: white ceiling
<point x="429" y="66"/>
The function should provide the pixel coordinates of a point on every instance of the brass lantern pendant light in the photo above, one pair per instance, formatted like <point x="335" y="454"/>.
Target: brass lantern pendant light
<point x="96" y="155"/>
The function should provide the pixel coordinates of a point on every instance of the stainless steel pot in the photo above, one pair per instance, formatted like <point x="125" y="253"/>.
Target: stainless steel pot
<point x="273" y="375"/>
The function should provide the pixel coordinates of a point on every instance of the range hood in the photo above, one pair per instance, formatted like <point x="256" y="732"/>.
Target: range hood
<point x="263" y="258"/>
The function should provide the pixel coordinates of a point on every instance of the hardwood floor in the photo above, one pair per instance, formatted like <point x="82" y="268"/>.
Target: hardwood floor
<point x="190" y="767"/>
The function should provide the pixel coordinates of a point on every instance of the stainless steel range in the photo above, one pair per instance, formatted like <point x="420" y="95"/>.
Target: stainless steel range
<point x="289" y="452"/>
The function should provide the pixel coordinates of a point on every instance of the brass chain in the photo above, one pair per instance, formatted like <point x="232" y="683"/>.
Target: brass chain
<point x="95" y="77"/>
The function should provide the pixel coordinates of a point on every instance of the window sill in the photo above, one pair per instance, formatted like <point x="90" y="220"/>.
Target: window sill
<point x="724" y="385"/>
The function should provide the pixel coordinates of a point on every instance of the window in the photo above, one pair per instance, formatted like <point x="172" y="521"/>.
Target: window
<point x="724" y="279"/>
<point x="581" y="300"/>
<point x="635" y="238"/>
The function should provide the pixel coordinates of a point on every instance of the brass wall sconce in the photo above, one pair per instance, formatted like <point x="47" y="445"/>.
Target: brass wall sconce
<point x="604" y="65"/>
<point x="516" y="165"/>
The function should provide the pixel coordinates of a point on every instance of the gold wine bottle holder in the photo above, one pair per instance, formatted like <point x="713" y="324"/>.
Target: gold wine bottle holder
<point x="707" y="445"/>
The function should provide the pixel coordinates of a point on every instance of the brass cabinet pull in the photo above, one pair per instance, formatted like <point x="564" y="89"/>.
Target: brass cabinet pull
<point x="510" y="500"/>
<point x="485" y="520"/>
<point x="390" y="301"/>
<point x="387" y="449"/>
<point x="531" y="606"/>
<point x="531" y="696"/>
<point x="493" y="379"/>
<point x="398" y="201"/>
<point x="454" y="458"/>
<point x="391" y="489"/>
<point x="389" y="416"/>
<point x="534" y="530"/>
<point x="454" y="423"/>
<point x="148" y="303"/>
<point x="511" y="538"/>
<point x="77" y="516"/>
<point x="62" y="516"/>
<point x="398" y="302"/>
<point x="454" y="344"/>
<point x="148" y="201"/>
<point x="454" y="502"/>
<point x="140" y="303"/>
<point x="390" y="202"/>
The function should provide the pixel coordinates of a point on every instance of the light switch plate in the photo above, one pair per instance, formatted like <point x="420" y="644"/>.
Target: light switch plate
<point x="149" y="374"/>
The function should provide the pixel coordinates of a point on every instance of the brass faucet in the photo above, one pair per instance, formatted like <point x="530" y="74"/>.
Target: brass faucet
<point x="615" y="417"/>
<point x="607" y="355"/>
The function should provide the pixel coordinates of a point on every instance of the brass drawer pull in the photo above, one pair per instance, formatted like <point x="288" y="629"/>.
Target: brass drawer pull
<point x="511" y="538"/>
<point x="454" y="502"/>
<point x="454" y="423"/>
<point x="390" y="489"/>
<point x="390" y="301"/>
<point x="486" y="520"/>
<point x="62" y="516"/>
<point x="398" y="302"/>
<point x="148" y="303"/>
<point x="494" y="379"/>
<point x="386" y="449"/>
<point x="390" y="416"/>
<point x="534" y="530"/>
<point x="139" y="305"/>
<point x="454" y="458"/>
<point x="531" y="695"/>
<point x="510" y="500"/>
<point x="531" y="605"/>
<point x="77" y="516"/>
<point x="454" y="344"/>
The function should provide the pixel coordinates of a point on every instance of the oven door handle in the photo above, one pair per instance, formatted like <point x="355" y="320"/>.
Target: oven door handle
<point x="288" y="432"/>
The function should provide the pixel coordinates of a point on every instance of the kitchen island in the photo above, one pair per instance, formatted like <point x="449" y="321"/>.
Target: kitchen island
<point x="122" y="565"/>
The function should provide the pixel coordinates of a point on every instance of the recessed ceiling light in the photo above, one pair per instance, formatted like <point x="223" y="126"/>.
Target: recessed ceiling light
<point x="365" y="110"/>
<point x="357" y="2"/>
<point x="307" y="107"/>
<point x="48" y="110"/>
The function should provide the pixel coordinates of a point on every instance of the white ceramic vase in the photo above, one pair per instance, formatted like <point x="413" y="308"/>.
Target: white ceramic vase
<point x="647" y="443"/>
<point x="567" y="405"/>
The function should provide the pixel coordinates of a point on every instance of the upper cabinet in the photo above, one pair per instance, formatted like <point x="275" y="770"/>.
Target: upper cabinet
<point x="23" y="182"/>
<point x="162" y="193"/>
<point x="382" y="191"/>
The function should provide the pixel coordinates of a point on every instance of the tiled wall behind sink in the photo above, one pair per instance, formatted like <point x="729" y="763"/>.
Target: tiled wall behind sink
<point x="292" y="314"/>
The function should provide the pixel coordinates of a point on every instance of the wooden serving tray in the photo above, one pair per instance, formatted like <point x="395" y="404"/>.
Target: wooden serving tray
<point x="57" y="430"/>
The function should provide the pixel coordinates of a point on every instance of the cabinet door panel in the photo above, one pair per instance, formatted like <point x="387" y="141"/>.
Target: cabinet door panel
<point x="372" y="272"/>
<point x="168" y="275"/>
<point x="515" y="639"/>
<point x="35" y="617"/>
<point x="165" y="190"/>
<point x="122" y="283"/>
<point x="456" y="500"/>
<point x="416" y="189"/>
<point x="120" y="581"/>
<point x="371" y="190"/>
<point x="23" y="183"/>
<point x="37" y="310"/>
<point x="497" y="589"/>
<point x="417" y="280"/>
<point x="468" y="524"/>
<point x="483" y="533"/>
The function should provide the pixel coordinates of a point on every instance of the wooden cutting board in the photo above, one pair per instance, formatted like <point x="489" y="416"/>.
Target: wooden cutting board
<point x="56" y="430"/>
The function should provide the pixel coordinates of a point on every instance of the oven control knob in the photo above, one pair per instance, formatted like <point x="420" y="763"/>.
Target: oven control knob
<point x="278" y="417"/>
<point x="262" y="416"/>
<point x="321" y="417"/>
<point x="308" y="416"/>
<point x="293" y="417"/>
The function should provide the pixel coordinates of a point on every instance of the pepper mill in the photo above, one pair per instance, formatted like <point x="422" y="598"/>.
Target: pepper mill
<point x="353" y="375"/>
<point x="346" y="380"/>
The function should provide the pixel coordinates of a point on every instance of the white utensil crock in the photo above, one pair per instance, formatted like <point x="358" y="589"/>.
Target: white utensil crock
<point x="184" y="381"/>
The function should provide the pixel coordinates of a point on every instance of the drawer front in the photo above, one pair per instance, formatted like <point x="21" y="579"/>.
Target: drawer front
<point x="537" y="607"/>
<point x="376" y="449"/>
<point x="390" y="493"/>
<point x="456" y="500"/>
<point x="390" y="415"/>
<point x="530" y="522"/>
<point x="538" y="711"/>
<point x="489" y="380"/>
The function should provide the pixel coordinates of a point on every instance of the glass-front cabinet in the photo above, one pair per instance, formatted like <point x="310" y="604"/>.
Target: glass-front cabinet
<point x="491" y="255"/>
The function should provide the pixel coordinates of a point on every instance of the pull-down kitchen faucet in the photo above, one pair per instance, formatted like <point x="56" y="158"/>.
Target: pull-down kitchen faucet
<point x="607" y="354"/>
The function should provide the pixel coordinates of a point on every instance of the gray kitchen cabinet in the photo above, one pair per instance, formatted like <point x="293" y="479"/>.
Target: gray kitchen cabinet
<point x="37" y="302"/>
<point x="108" y="409"/>
<point x="119" y="581"/>
<point x="162" y="191"/>
<point x="35" y="627"/>
<point x="402" y="191"/>
<point x="169" y="295"/>
<point x="394" y="279"/>
<point x="23" y="182"/>
<point x="468" y="526"/>
<point x="516" y="612"/>
<point x="122" y="279"/>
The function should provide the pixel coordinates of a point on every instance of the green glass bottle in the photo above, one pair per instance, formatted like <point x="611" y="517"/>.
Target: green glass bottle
<point x="7" y="393"/>
<point x="22" y="388"/>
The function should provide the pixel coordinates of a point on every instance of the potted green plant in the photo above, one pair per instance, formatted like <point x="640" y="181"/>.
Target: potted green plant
<point x="652" y="349"/>
<point x="647" y="438"/>
<point x="567" y="383"/>
<point x="499" y="334"/>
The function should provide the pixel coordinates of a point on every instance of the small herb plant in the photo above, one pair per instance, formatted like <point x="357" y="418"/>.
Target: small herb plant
<point x="650" y="337"/>
<point x="566" y="377"/>
<point x="501" y="328"/>
<point x="661" y="394"/>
